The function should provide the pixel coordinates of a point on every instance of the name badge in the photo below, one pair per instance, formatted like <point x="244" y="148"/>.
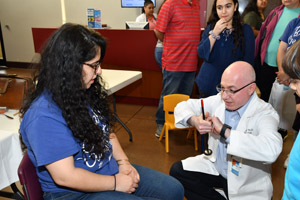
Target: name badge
<point x="236" y="165"/>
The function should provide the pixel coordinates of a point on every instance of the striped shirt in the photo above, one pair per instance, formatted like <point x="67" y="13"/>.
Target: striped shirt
<point x="180" y="23"/>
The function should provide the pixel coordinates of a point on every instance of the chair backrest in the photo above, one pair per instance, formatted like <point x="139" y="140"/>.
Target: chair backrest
<point x="170" y="102"/>
<point x="29" y="179"/>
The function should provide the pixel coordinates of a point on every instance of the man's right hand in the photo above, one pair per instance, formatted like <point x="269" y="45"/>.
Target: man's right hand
<point x="203" y="126"/>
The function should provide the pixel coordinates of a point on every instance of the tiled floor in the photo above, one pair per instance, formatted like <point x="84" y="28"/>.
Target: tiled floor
<point x="148" y="151"/>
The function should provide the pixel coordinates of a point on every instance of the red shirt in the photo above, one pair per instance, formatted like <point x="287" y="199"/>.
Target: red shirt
<point x="180" y="22"/>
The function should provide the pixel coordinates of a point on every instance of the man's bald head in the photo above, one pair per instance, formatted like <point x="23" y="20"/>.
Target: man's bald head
<point x="240" y="70"/>
<point x="238" y="84"/>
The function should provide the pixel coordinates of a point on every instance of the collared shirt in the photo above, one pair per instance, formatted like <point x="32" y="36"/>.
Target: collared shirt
<point x="179" y="20"/>
<point x="232" y="118"/>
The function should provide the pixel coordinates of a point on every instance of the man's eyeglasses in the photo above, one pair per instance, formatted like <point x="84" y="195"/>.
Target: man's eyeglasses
<point x="231" y="92"/>
<point x="94" y="65"/>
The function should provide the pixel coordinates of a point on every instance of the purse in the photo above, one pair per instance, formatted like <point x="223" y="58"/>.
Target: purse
<point x="13" y="90"/>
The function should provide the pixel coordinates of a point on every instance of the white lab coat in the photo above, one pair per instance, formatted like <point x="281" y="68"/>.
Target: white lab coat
<point x="255" y="142"/>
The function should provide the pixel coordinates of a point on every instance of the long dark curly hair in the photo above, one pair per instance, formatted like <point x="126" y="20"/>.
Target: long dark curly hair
<point x="251" y="6"/>
<point x="238" y="33"/>
<point x="60" y="73"/>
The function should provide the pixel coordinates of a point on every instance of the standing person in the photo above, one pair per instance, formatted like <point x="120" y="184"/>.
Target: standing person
<point x="289" y="37"/>
<point x="224" y="41"/>
<point x="253" y="14"/>
<point x="67" y="123"/>
<point x="148" y="15"/>
<point x="243" y="138"/>
<point x="267" y="43"/>
<point x="291" y="66"/>
<point x="178" y="26"/>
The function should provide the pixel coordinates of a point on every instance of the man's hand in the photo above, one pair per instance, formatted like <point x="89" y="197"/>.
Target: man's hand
<point x="203" y="126"/>
<point x="217" y="125"/>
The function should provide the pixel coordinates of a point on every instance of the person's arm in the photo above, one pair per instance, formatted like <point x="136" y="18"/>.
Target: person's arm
<point x="203" y="126"/>
<point x="187" y="109"/>
<point x="282" y="77"/>
<point x="219" y="27"/>
<point x="218" y="125"/>
<point x="64" y="173"/>
<point x="122" y="160"/>
<point x="255" y="31"/>
<point x="159" y="35"/>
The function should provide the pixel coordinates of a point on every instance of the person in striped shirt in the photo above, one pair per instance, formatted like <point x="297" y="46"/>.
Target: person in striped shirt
<point x="178" y="26"/>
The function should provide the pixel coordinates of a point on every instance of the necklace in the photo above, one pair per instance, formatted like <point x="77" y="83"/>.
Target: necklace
<point x="226" y="33"/>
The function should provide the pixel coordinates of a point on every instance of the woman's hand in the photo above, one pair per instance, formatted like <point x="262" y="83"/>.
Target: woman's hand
<point x="220" y="26"/>
<point x="283" y="78"/>
<point x="124" y="168"/>
<point x="127" y="179"/>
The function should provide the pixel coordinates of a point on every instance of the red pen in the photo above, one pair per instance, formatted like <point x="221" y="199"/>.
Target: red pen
<point x="202" y="108"/>
<point x="207" y="151"/>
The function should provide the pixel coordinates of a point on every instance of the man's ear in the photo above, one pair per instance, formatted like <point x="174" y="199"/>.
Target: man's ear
<point x="252" y="88"/>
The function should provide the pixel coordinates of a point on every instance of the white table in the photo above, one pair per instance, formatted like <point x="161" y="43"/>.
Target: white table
<point x="116" y="80"/>
<point x="10" y="153"/>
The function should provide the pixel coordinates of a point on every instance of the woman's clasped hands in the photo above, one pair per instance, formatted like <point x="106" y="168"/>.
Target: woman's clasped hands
<point x="127" y="180"/>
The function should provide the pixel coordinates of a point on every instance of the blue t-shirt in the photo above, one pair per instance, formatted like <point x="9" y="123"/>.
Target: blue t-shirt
<point x="49" y="139"/>
<point x="220" y="57"/>
<point x="292" y="32"/>
<point x="292" y="176"/>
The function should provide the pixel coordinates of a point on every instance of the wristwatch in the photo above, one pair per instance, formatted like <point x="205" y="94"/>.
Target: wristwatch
<point x="224" y="127"/>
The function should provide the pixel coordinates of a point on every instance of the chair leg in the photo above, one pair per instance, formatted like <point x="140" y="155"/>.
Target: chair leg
<point x="189" y="134"/>
<point x="162" y="132"/>
<point x="167" y="139"/>
<point x="196" y="139"/>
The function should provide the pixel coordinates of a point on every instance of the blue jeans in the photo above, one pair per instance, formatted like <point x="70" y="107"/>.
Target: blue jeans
<point x="153" y="185"/>
<point x="174" y="83"/>
<point x="158" y="54"/>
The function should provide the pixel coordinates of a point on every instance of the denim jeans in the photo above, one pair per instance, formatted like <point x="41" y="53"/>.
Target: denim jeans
<point x="153" y="185"/>
<point x="174" y="83"/>
<point x="158" y="54"/>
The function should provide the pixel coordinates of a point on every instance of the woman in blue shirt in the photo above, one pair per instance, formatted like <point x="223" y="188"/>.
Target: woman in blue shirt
<point x="224" y="41"/>
<point x="67" y="127"/>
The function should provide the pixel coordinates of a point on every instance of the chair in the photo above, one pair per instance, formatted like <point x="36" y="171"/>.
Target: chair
<point x="29" y="179"/>
<point x="170" y="101"/>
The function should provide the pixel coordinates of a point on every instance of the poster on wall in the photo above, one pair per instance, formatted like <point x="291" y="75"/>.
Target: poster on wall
<point x="94" y="18"/>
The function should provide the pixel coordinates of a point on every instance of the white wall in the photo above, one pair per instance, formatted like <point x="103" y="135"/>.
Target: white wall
<point x="17" y="17"/>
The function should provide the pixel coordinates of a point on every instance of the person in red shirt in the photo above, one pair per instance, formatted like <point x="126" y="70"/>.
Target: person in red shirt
<point x="178" y="26"/>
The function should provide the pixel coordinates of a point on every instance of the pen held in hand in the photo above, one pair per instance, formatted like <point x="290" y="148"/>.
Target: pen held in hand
<point x="207" y="151"/>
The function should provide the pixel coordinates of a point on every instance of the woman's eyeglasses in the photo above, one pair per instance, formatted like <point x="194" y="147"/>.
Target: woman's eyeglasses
<point x="94" y="65"/>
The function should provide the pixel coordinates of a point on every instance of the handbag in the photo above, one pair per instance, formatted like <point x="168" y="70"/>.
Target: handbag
<point x="13" y="90"/>
<point x="283" y="101"/>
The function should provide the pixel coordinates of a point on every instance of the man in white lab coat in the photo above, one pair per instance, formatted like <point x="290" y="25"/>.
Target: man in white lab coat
<point x="243" y="138"/>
